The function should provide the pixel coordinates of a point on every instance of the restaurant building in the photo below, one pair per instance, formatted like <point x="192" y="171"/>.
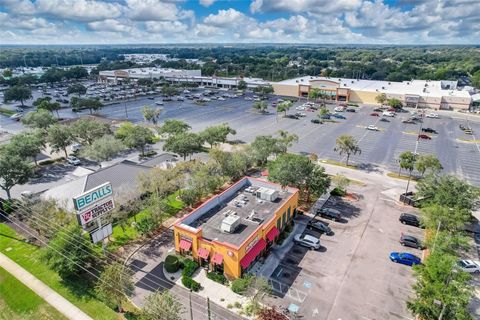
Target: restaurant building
<point x="233" y="229"/>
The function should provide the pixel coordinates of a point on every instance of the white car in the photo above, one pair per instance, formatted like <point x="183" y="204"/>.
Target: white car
<point x="159" y="103"/>
<point x="16" y="116"/>
<point x="388" y="114"/>
<point x="300" y="108"/>
<point x="76" y="147"/>
<point x="469" y="266"/>
<point x="248" y="98"/>
<point x="221" y="99"/>
<point x="339" y="109"/>
<point x="73" y="160"/>
<point x="307" y="240"/>
<point x="372" y="127"/>
<point x="432" y="115"/>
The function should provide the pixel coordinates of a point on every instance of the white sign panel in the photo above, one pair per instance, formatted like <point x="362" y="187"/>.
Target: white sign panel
<point x="92" y="196"/>
<point x="100" y="234"/>
<point x="95" y="212"/>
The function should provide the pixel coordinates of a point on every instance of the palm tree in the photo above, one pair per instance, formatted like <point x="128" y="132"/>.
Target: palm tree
<point x="407" y="161"/>
<point x="348" y="145"/>
<point x="261" y="106"/>
<point x="381" y="98"/>
<point x="284" y="107"/>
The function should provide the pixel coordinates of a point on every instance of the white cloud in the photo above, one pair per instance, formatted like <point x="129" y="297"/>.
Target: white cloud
<point x="230" y="18"/>
<point x="206" y="3"/>
<point x="78" y="10"/>
<point x="109" y="25"/>
<point x="146" y="10"/>
<point x="165" y="27"/>
<point x="303" y="6"/>
<point x="19" y="6"/>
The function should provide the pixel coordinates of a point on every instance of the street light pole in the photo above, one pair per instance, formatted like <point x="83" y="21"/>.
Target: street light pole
<point x="415" y="154"/>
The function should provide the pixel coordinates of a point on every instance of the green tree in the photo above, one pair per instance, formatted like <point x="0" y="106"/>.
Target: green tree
<point x="264" y="147"/>
<point x="90" y="104"/>
<point x="300" y="172"/>
<point x="395" y="103"/>
<point x="7" y="73"/>
<point x="135" y="136"/>
<point x="348" y="145"/>
<point x="216" y="134"/>
<point x="314" y="93"/>
<point x="50" y="106"/>
<point x="17" y="93"/>
<point x="242" y="85"/>
<point x="13" y="170"/>
<point x="232" y="164"/>
<point x="86" y="131"/>
<point x="115" y="284"/>
<point x="103" y="149"/>
<point x="323" y="112"/>
<point x="428" y="162"/>
<point x="436" y="216"/>
<point x="77" y="88"/>
<point x="59" y="137"/>
<point x="69" y="252"/>
<point x="261" y="106"/>
<point x="151" y="114"/>
<point x="173" y="126"/>
<point x="38" y="101"/>
<point x="41" y="119"/>
<point x="440" y="291"/>
<point x="27" y="145"/>
<point x="476" y="79"/>
<point x="381" y="98"/>
<point x="184" y="144"/>
<point x="162" y="305"/>
<point x="406" y="161"/>
<point x="57" y="216"/>
<point x="284" y="107"/>
<point x="448" y="191"/>
<point x="169" y="91"/>
<point x="76" y="73"/>
<point x="340" y="181"/>
<point x="286" y="140"/>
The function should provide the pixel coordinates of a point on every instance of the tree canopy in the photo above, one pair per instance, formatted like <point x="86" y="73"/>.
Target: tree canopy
<point x="348" y="145"/>
<point x="17" y="93"/>
<point x="41" y="119"/>
<point x="184" y="144"/>
<point x="173" y="126"/>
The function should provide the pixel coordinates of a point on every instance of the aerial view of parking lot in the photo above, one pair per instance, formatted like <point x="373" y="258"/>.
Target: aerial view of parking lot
<point x="239" y="160"/>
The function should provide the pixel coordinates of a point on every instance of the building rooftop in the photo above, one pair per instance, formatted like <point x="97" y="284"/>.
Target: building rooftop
<point x="240" y="202"/>
<point x="414" y="87"/>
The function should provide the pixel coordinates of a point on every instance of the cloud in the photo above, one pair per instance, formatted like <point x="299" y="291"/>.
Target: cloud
<point x="206" y="3"/>
<point x="109" y="25"/>
<point x="303" y="6"/>
<point x="78" y="10"/>
<point x="230" y="18"/>
<point x="165" y="27"/>
<point x="21" y="7"/>
<point x="147" y="10"/>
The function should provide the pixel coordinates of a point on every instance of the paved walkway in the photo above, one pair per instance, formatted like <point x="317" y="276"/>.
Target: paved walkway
<point x="54" y="299"/>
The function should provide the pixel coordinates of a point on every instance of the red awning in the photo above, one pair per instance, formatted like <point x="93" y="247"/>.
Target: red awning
<point x="203" y="253"/>
<point x="217" y="258"/>
<point x="185" y="245"/>
<point x="272" y="234"/>
<point x="253" y="253"/>
<point x="265" y="173"/>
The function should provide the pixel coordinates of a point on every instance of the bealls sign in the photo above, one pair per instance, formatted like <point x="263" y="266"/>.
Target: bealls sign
<point x="92" y="196"/>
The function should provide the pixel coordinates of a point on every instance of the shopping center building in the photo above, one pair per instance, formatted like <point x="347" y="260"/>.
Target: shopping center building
<point x="232" y="230"/>
<point x="415" y="93"/>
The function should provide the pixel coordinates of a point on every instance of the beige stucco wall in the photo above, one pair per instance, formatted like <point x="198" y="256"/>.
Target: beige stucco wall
<point x="285" y="89"/>
<point x="363" y="97"/>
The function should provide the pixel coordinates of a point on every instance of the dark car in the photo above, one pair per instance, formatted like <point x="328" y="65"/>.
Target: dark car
<point x="410" y="219"/>
<point x="408" y="121"/>
<point x="291" y="116"/>
<point x="384" y="120"/>
<point x="377" y="110"/>
<point x="329" y="213"/>
<point x="319" y="226"/>
<point x="325" y="116"/>
<point x="424" y="136"/>
<point x="405" y="258"/>
<point x="317" y="121"/>
<point x="350" y="110"/>
<point x="338" y="116"/>
<point x="429" y="130"/>
<point x="410" y="241"/>
<point x="374" y="114"/>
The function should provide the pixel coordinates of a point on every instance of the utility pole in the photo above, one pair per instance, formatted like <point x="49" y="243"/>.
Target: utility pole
<point x="191" y="309"/>
<point x="208" y="309"/>
<point x="415" y="154"/>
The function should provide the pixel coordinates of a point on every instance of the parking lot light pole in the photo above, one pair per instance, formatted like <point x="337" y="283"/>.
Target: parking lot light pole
<point x="415" y="154"/>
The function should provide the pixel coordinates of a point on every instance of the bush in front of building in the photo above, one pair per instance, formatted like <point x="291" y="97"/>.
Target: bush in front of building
<point x="339" y="192"/>
<point x="172" y="264"/>
<point x="240" y="285"/>
<point x="189" y="267"/>
<point x="190" y="283"/>
<point x="217" y="277"/>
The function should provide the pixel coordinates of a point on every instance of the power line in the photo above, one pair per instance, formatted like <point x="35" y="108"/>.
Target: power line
<point x="38" y="217"/>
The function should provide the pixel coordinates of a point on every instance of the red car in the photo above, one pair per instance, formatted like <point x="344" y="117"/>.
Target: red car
<point x="392" y="110"/>
<point x="424" y="136"/>
<point x="374" y="114"/>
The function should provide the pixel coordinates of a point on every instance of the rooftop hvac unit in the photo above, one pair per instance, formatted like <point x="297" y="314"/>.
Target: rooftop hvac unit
<point x="230" y="224"/>
<point x="267" y="194"/>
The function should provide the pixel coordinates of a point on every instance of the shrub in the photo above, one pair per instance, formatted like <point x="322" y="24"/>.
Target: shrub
<point x="217" y="277"/>
<point x="189" y="267"/>
<point x="229" y="306"/>
<point x="338" y="192"/>
<point x="171" y="264"/>
<point x="240" y="285"/>
<point x="190" y="283"/>
<point x="237" y="305"/>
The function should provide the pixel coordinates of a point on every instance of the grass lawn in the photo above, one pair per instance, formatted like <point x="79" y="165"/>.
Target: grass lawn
<point x="338" y="163"/>
<point x="401" y="177"/>
<point x="29" y="257"/>
<point x="120" y="237"/>
<point x="19" y="302"/>
<point x="7" y="112"/>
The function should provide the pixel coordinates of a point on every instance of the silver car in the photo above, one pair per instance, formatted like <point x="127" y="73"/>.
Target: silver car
<point x="307" y="240"/>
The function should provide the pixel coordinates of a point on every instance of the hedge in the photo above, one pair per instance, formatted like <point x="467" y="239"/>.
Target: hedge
<point x="338" y="192"/>
<point x="217" y="277"/>
<point x="189" y="267"/>
<point x="240" y="285"/>
<point x="190" y="283"/>
<point x="171" y="264"/>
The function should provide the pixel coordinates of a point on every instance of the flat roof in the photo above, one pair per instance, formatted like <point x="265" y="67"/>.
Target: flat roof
<point x="413" y="87"/>
<point x="237" y="201"/>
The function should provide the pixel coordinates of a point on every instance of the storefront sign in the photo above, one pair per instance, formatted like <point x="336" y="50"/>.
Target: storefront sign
<point x="92" y="196"/>
<point x="95" y="212"/>
<point x="251" y="244"/>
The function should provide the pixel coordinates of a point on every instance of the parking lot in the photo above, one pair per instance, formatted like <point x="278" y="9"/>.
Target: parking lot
<point x="351" y="275"/>
<point x="380" y="149"/>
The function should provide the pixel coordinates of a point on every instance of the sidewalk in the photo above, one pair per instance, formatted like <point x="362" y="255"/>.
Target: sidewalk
<point x="54" y="299"/>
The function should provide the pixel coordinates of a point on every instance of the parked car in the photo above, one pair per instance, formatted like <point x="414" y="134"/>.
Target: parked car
<point x="317" y="121"/>
<point x="338" y="116"/>
<point x="330" y="213"/>
<point x="159" y="103"/>
<point x="16" y="116"/>
<point x="76" y="147"/>
<point x="372" y="128"/>
<point x="291" y="116"/>
<point x="429" y="130"/>
<point x="384" y="120"/>
<point x="319" y="226"/>
<point x="410" y="219"/>
<point x="405" y="258"/>
<point x="377" y="110"/>
<point x="432" y="115"/>
<point x="73" y="160"/>
<point x="307" y="240"/>
<point x="339" y="109"/>
<point x="410" y="121"/>
<point x="388" y="114"/>
<point x="374" y="114"/>
<point x="424" y="136"/>
<point x="325" y="116"/>
<point x="350" y="110"/>
<point x="410" y="241"/>
<point x="469" y="266"/>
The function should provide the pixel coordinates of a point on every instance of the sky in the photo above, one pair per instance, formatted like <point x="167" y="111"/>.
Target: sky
<point x="240" y="21"/>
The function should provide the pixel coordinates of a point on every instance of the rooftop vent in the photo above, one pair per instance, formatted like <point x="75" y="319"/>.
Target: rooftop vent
<point x="383" y="88"/>
<point x="301" y="80"/>
<point x="267" y="194"/>
<point x="352" y="81"/>
<point x="389" y="83"/>
<point x="230" y="224"/>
